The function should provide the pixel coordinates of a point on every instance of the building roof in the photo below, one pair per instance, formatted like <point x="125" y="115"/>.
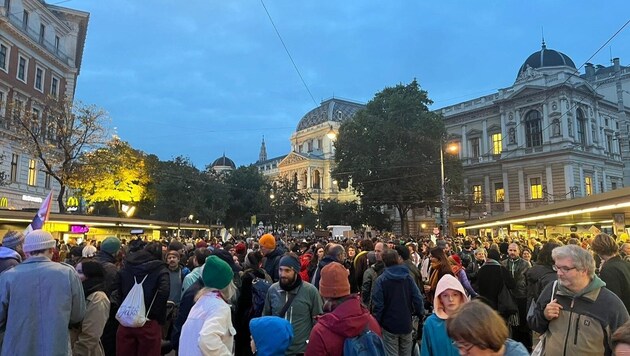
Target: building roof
<point x="333" y="109"/>
<point x="546" y="58"/>
<point x="223" y="162"/>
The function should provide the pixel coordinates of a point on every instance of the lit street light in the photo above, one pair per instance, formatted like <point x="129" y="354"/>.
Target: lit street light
<point x="443" y="200"/>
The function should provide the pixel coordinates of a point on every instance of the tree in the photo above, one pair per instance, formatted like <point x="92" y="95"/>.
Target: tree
<point x="248" y="195"/>
<point x="59" y="135"/>
<point x="390" y="150"/>
<point x="289" y="203"/>
<point x="116" y="174"/>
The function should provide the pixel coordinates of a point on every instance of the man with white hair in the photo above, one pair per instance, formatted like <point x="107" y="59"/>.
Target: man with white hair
<point x="39" y="299"/>
<point x="577" y="314"/>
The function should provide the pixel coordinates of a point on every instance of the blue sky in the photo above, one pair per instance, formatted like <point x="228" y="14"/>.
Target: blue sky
<point x="197" y="78"/>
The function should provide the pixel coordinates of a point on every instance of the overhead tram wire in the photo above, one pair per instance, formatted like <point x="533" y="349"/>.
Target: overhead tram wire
<point x="288" y="53"/>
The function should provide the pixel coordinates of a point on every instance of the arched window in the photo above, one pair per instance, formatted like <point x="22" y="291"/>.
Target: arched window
<point x="316" y="180"/>
<point x="295" y="181"/>
<point x="581" y="126"/>
<point x="304" y="183"/>
<point x="533" y="129"/>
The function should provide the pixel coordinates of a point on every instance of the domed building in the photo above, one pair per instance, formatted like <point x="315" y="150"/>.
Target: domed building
<point x="222" y="164"/>
<point x="311" y="159"/>
<point x="555" y="134"/>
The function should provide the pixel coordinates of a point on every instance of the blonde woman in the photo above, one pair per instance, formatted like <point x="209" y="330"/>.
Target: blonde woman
<point x="208" y="329"/>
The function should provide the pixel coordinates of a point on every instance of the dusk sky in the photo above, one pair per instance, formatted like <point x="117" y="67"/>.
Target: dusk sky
<point x="197" y="78"/>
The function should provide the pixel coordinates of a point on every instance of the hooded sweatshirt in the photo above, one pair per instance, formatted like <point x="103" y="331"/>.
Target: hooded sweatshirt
<point x="272" y="335"/>
<point x="347" y="320"/>
<point x="8" y="258"/>
<point x="435" y="340"/>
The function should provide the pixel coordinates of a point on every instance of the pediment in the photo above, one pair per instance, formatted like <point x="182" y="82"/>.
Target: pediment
<point x="526" y="91"/>
<point x="494" y="128"/>
<point x="473" y="132"/>
<point x="292" y="158"/>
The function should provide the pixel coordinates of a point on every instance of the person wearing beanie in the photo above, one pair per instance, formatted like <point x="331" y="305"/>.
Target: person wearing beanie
<point x="295" y="300"/>
<point x="271" y="336"/>
<point x="449" y="296"/>
<point x="395" y="300"/>
<point x="106" y="257"/>
<point x="272" y="254"/>
<point x="22" y="290"/>
<point x="11" y="253"/>
<point x="208" y="329"/>
<point x="147" y="262"/>
<point x="345" y="316"/>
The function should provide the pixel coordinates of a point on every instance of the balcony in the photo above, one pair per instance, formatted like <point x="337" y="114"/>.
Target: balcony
<point x="34" y="35"/>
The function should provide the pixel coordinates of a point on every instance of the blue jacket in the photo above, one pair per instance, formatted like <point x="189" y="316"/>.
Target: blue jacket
<point x="395" y="299"/>
<point x="435" y="340"/>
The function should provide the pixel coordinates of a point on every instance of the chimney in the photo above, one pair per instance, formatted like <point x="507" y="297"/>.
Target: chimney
<point x="590" y="70"/>
<point x="616" y="64"/>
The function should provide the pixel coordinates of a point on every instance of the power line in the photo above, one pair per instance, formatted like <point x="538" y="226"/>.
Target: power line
<point x="288" y="53"/>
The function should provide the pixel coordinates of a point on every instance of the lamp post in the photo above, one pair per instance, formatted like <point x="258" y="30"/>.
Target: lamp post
<point x="443" y="200"/>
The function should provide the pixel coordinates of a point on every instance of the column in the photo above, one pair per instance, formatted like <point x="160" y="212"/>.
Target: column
<point x="563" y="120"/>
<point x="489" y="192"/>
<point x="504" y="133"/>
<point x="521" y="189"/>
<point x="581" y="183"/>
<point x="520" y="130"/>
<point x="595" y="182"/>
<point x="545" y="124"/>
<point x="484" y="139"/>
<point x="604" y="180"/>
<point x="568" y="179"/>
<point x="506" y="192"/>
<point x="308" y="178"/>
<point x="549" y="181"/>
<point x="464" y="143"/>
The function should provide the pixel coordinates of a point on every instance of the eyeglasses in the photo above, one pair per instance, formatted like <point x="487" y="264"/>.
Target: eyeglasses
<point x="564" y="269"/>
<point x="464" y="346"/>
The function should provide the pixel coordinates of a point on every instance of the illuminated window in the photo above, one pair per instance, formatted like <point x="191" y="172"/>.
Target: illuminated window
<point x="535" y="188"/>
<point x="477" y="195"/>
<point x="32" y="173"/>
<point x="588" y="185"/>
<point x="499" y="193"/>
<point x="496" y="144"/>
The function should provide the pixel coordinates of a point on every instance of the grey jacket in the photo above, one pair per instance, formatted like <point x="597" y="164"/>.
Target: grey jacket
<point x="8" y="258"/>
<point x="39" y="299"/>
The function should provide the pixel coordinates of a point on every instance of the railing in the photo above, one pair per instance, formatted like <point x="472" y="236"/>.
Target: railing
<point x="35" y="36"/>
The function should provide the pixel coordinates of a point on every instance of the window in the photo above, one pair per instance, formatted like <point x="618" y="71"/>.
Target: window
<point x="7" y="4"/>
<point x="474" y="147"/>
<point x="535" y="188"/>
<point x="4" y="56"/>
<point x="588" y="185"/>
<point x="533" y="129"/>
<point x="22" y="65"/>
<point x="477" y="194"/>
<point x="609" y="143"/>
<point x="35" y="125"/>
<point x="316" y="180"/>
<point x="32" y="173"/>
<point x="47" y="181"/>
<point x="54" y="88"/>
<point x="42" y="33"/>
<point x="320" y="144"/>
<point x="39" y="79"/>
<point x="25" y="19"/>
<point x="51" y="123"/>
<point x="18" y="105"/>
<point x="14" y="167"/>
<point x="581" y="127"/>
<point x="613" y="185"/>
<point x="497" y="147"/>
<point x="310" y="146"/>
<point x="57" y="42"/>
<point x="499" y="193"/>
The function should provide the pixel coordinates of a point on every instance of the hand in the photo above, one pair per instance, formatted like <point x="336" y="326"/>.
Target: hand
<point x="552" y="310"/>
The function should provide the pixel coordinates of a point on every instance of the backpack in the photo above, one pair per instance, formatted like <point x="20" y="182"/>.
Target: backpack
<point x="132" y="312"/>
<point x="466" y="257"/>
<point x="368" y="343"/>
<point x="260" y="286"/>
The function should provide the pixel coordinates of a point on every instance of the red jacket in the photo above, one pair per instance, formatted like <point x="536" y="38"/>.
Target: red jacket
<point x="348" y="320"/>
<point x="305" y="259"/>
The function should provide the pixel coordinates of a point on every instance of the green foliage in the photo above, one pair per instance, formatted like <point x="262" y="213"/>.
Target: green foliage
<point x="352" y="213"/>
<point x="248" y="195"/>
<point x="289" y="204"/>
<point x="390" y="150"/>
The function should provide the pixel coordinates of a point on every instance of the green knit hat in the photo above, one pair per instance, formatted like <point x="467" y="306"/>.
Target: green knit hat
<point x="111" y="245"/>
<point x="216" y="273"/>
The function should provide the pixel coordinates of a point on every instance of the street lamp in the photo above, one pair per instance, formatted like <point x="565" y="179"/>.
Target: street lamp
<point x="331" y="133"/>
<point x="444" y="210"/>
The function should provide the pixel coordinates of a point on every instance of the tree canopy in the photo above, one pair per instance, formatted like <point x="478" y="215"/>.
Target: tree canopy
<point x="390" y="151"/>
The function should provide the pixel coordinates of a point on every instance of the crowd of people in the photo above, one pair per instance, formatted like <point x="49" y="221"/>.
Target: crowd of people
<point x="279" y="295"/>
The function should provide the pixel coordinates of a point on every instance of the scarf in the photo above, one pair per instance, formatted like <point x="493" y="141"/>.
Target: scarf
<point x="295" y="284"/>
<point x="92" y="285"/>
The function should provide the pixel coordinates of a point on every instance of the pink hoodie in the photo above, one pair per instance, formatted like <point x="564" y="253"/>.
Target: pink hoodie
<point x="446" y="282"/>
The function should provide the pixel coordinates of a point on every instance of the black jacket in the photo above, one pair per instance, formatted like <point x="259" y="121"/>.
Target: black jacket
<point x="489" y="280"/>
<point x="111" y="271"/>
<point x="272" y="263"/>
<point x="323" y="263"/>
<point x="538" y="277"/>
<point x="140" y="264"/>
<point x="243" y="312"/>
<point x="616" y="273"/>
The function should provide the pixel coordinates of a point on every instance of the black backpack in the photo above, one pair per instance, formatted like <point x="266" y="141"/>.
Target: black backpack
<point x="260" y="286"/>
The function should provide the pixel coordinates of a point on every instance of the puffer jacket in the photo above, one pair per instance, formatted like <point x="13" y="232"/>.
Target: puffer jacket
<point x="347" y="320"/>
<point x="586" y="322"/>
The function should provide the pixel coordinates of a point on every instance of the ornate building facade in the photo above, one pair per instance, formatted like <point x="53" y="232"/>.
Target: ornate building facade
<point x="41" y="49"/>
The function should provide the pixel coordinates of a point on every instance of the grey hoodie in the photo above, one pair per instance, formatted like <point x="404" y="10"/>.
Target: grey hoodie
<point x="8" y="258"/>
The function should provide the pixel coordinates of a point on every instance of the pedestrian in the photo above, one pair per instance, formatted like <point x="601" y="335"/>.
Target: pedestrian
<point x="297" y="301"/>
<point x="11" y="253"/>
<point x="344" y="316"/>
<point x="271" y="336"/>
<point x="208" y="329"/>
<point x="460" y="274"/>
<point x="614" y="271"/>
<point x="579" y="307"/>
<point x="86" y="337"/>
<point x="449" y="296"/>
<point x="439" y="268"/>
<point x="478" y="330"/>
<point x="372" y="273"/>
<point x="106" y="256"/>
<point x="334" y="253"/>
<point x="396" y="299"/>
<point x="144" y="262"/>
<point x="517" y="267"/>
<point x="272" y="254"/>
<point x="541" y="274"/>
<point x="39" y="299"/>
<point x="491" y="278"/>
<point x="621" y="340"/>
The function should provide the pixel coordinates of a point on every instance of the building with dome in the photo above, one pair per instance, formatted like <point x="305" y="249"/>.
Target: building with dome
<point x="554" y="134"/>
<point x="223" y="164"/>
<point x="311" y="159"/>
